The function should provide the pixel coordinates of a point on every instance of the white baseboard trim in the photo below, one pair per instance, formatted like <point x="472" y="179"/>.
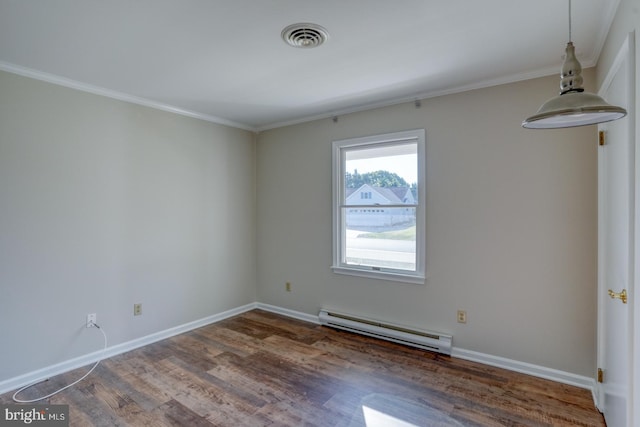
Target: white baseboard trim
<point x="526" y="368"/>
<point x="487" y="359"/>
<point x="289" y="313"/>
<point x="78" y="362"/>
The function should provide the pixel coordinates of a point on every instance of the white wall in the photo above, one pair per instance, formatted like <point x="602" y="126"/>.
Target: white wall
<point x="105" y="204"/>
<point x="511" y="225"/>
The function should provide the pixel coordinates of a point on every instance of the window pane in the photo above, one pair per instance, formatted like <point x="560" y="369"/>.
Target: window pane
<point x="381" y="175"/>
<point x="380" y="237"/>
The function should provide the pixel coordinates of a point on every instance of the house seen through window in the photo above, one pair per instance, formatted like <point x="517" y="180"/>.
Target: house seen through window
<point x="379" y="206"/>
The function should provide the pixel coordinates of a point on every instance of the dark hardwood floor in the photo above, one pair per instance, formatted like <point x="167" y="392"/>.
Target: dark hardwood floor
<point x="262" y="369"/>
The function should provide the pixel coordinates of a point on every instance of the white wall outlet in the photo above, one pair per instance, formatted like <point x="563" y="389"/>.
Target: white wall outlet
<point x="462" y="316"/>
<point x="91" y="320"/>
<point x="137" y="309"/>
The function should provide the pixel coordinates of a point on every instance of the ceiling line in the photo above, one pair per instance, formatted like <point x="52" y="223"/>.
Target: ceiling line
<point x="422" y="95"/>
<point x="97" y="90"/>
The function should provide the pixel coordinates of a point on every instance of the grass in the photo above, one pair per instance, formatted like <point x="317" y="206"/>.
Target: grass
<point x="404" y="234"/>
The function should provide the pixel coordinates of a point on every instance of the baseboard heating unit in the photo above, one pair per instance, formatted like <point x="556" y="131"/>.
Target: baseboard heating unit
<point x="426" y="340"/>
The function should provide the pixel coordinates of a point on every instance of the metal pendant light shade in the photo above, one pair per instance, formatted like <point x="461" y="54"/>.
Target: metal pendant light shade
<point x="573" y="107"/>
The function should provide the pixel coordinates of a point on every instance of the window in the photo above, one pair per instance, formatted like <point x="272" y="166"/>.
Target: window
<point x="378" y="206"/>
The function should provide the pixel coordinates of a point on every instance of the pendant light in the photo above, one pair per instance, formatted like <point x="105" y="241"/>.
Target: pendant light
<point x="573" y="107"/>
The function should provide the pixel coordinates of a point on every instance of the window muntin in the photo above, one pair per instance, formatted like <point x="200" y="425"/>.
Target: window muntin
<point x="378" y="206"/>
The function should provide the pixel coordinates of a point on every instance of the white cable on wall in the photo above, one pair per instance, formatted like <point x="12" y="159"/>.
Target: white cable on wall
<point x="15" y="399"/>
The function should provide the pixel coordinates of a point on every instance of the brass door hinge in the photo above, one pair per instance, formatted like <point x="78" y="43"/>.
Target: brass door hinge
<point x="600" y="375"/>
<point x="601" y="139"/>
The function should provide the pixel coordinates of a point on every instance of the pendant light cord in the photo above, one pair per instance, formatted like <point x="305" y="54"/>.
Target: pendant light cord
<point x="569" y="20"/>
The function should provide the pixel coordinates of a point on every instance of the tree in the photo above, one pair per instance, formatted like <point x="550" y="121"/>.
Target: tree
<point x="378" y="178"/>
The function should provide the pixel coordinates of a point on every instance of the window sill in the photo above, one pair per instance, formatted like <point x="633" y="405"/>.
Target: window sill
<point x="380" y="275"/>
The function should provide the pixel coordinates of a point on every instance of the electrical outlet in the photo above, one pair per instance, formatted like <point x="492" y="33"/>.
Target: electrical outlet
<point x="137" y="309"/>
<point x="287" y="286"/>
<point x="462" y="316"/>
<point x="91" y="320"/>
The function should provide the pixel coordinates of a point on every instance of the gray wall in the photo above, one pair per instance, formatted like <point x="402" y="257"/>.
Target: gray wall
<point x="511" y="225"/>
<point x="105" y="204"/>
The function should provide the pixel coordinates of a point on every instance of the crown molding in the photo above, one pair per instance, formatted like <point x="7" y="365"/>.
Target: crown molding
<point x="544" y="72"/>
<point x="120" y="96"/>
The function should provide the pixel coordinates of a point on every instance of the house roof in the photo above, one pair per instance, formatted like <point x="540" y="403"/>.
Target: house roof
<point x="390" y="194"/>
<point x="394" y="195"/>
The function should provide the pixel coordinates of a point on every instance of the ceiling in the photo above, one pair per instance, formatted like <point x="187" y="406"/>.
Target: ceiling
<point x="224" y="60"/>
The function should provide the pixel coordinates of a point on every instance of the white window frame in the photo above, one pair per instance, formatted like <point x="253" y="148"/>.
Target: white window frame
<point x="338" y="156"/>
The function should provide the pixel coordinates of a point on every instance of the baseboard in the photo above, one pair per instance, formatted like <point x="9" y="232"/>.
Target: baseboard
<point x="529" y="369"/>
<point x="78" y="362"/>
<point x="487" y="359"/>
<point x="289" y="313"/>
<point x="526" y="368"/>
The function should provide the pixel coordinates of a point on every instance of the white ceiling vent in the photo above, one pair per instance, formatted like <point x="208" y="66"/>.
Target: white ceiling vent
<point x="304" y="35"/>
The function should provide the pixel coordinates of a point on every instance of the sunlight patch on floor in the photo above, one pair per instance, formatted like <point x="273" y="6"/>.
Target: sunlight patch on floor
<point x="374" y="418"/>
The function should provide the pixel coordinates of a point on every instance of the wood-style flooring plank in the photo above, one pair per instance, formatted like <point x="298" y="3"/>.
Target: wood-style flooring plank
<point x="262" y="369"/>
<point x="176" y="414"/>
